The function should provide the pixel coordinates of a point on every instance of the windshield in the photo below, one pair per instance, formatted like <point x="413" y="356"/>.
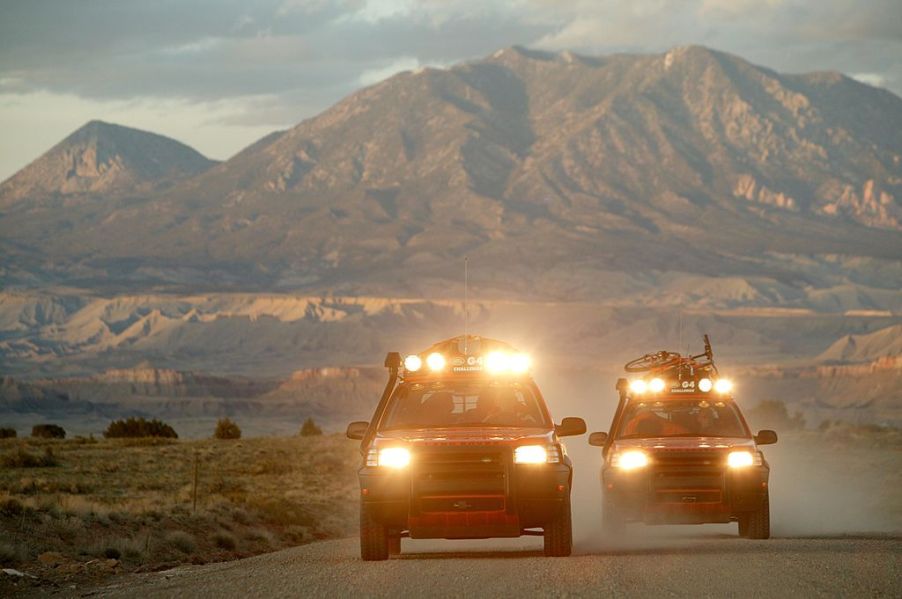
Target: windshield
<point x="681" y="418"/>
<point x="463" y="403"/>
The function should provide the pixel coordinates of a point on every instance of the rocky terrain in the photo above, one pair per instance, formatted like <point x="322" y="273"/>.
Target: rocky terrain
<point x="609" y="206"/>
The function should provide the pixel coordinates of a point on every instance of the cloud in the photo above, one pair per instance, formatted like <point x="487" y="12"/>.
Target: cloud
<point x="285" y="60"/>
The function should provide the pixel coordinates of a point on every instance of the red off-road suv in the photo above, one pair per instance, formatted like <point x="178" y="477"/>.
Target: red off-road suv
<point x="461" y="446"/>
<point x="680" y="452"/>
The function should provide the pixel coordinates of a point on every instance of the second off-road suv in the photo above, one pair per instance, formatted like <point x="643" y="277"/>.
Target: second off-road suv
<point x="461" y="446"/>
<point x="680" y="452"/>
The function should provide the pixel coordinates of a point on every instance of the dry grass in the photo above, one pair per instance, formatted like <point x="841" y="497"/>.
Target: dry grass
<point x="128" y="504"/>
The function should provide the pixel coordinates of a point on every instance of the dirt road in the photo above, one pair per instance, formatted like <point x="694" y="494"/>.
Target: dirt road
<point x="688" y="563"/>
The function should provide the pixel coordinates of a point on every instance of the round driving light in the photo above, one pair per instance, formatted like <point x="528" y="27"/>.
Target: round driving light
<point x="638" y="386"/>
<point x="705" y="385"/>
<point x="435" y="361"/>
<point x="656" y="385"/>
<point x="723" y="386"/>
<point x="412" y="363"/>
<point x="740" y="459"/>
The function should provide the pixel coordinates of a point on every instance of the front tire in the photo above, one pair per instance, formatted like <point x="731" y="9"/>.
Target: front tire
<point x="756" y="525"/>
<point x="559" y="533"/>
<point x="394" y="542"/>
<point x="374" y="540"/>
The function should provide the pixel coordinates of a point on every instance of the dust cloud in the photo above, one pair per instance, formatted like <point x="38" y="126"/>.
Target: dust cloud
<point x="821" y="485"/>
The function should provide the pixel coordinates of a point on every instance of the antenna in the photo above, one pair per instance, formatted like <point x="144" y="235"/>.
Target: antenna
<point x="680" y="344"/>
<point x="466" y="303"/>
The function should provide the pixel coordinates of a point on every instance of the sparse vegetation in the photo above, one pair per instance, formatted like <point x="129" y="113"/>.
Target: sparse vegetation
<point x="48" y="431"/>
<point x="7" y="432"/>
<point x="139" y="428"/>
<point x="310" y="429"/>
<point x="226" y="429"/>
<point x="120" y="505"/>
<point x="20" y="458"/>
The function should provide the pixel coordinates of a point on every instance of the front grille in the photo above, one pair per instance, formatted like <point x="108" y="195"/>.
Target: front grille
<point x="460" y="479"/>
<point x="688" y="476"/>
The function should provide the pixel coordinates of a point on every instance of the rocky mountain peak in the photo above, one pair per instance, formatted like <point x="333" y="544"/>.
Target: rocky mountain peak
<point x="102" y="158"/>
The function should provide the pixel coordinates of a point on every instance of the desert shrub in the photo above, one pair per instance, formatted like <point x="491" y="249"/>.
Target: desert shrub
<point x="24" y="459"/>
<point x="139" y="427"/>
<point x="7" y="432"/>
<point x="11" y="553"/>
<point x="773" y="414"/>
<point x="11" y="507"/>
<point x="181" y="540"/>
<point x="310" y="429"/>
<point x="226" y="429"/>
<point x="48" y="431"/>
<point x="225" y="541"/>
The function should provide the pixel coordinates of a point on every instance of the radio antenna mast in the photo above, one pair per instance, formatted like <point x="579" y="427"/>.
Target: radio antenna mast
<point x="466" y="304"/>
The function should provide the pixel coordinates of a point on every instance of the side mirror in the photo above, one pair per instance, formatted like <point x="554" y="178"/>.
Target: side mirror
<point x="766" y="437"/>
<point x="570" y="426"/>
<point x="356" y="430"/>
<point x="598" y="439"/>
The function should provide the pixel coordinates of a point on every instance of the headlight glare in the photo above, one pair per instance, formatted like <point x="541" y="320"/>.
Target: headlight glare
<point x="631" y="459"/>
<point x="412" y="363"/>
<point x="435" y="361"/>
<point x="638" y="386"/>
<point x="723" y="385"/>
<point x="740" y="459"/>
<point x="705" y="385"/>
<point x="394" y="457"/>
<point x="530" y="454"/>
<point x="656" y="385"/>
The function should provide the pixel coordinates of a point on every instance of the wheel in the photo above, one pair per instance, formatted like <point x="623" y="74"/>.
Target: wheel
<point x="394" y="542"/>
<point x="612" y="523"/>
<point x="756" y="525"/>
<point x="373" y="536"/>
<point x="559" y="533"/>
<point x="743" y="526"/>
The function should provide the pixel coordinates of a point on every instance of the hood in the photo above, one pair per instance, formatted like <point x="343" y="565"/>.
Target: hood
<point x="466" y="436"/>
<point x="665" y="443"/>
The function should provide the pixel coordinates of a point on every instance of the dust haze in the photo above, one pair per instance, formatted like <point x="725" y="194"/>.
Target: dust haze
<point x="820" y="485"/>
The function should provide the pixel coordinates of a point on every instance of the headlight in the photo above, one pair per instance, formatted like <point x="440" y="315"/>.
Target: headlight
<point x="412" y="363"/>
<point x="537" y="454"/>
<point x="723" y="385"/>
<point x="530" y="454"/>
<point x="638" y="386"/>
<point x="435" y="361"/>
<point x="705" y="385"/>
<point x="630" y="459"/>
<point x="743" y="459"/>
<point x="394" y="457"/>
<point x="656" y="385"/>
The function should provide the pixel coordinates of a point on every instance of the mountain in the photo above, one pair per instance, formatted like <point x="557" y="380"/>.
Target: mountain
<point x="693" y="160"/>
<point x="101" y="158"/>
<point x="864" y="348"/>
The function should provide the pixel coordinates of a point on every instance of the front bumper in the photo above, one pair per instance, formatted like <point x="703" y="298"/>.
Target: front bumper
<point x="466" y="493"/>
<point x="688" y="496"/>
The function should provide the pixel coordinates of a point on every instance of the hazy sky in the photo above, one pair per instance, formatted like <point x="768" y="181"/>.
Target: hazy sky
<point x="219" y="74"/>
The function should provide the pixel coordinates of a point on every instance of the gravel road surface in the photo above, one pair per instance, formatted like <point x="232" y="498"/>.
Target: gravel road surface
<point x="681" y="564"/>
